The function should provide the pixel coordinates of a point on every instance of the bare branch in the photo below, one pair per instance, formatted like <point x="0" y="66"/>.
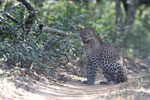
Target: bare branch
<point x="31" y="16"/>
<point x="58" y="32"/>
<point x="27" y="4"/>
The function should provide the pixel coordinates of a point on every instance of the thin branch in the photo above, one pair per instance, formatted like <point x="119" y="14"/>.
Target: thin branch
<point x="67" y="59"/>
<point x="58" y="32"/>
<point x="11" y="17"/>
<point x="63" y="54"/>
<point x="3" y="28"/>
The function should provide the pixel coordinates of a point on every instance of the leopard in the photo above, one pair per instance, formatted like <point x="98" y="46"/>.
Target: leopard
<point x="102" y="55"/>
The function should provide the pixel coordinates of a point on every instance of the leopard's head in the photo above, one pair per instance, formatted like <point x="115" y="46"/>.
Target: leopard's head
<point x="87" y="35"/>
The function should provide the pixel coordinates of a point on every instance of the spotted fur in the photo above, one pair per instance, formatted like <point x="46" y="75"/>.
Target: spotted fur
<point x="103" y="55"/>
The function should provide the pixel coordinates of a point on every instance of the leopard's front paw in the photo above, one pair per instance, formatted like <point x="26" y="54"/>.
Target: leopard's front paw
<point x="104" y="83"/>
<point x="88" y="82"/>
<point x="85" y="82"/>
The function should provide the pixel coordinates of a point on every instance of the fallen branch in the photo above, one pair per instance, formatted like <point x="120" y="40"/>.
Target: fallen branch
<point x="56" y="31"/>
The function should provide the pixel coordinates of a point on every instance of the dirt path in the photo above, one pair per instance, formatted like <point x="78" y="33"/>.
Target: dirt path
<point x="68" y="91"/>
<point x="72" y="90"/>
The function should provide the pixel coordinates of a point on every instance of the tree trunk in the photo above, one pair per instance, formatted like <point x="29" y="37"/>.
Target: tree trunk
<point x="118" y="12"/>
<point x="131" y="11"/>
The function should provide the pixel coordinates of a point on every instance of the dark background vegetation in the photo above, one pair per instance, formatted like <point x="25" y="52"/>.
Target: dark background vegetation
<point x="25" y="44"/>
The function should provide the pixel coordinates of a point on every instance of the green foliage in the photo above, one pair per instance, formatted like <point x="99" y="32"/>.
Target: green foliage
<point x="35" y="50"/>
<point x="42" y="50"/>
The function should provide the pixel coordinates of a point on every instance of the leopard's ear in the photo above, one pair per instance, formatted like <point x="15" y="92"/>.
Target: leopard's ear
<point x="80" y="27"/>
